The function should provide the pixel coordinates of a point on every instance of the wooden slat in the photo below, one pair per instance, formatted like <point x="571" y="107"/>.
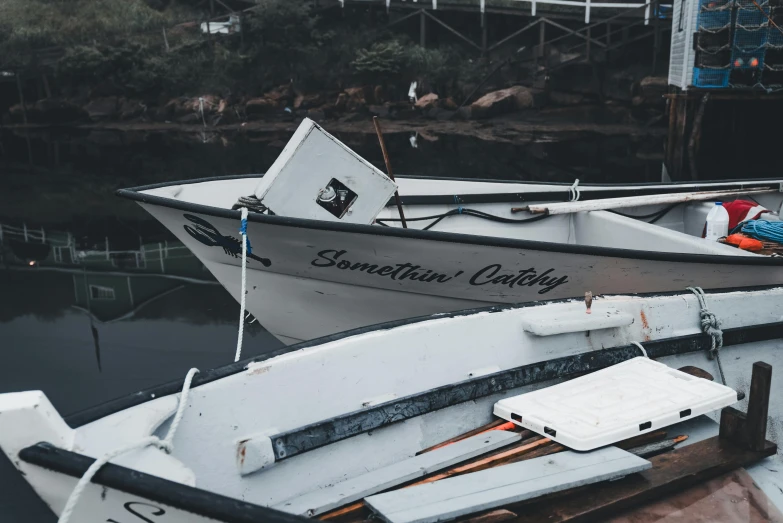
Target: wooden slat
<point x="488" y="489"/>
<point x="670" y="472"/>
<point x="352" y="512"/>
<point x="328" y="498"/>
<point x="489" y="426"/>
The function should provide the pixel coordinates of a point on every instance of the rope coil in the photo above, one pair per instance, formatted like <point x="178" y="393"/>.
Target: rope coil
<point x="710" y="325"/>
<point x="165" y="444"/>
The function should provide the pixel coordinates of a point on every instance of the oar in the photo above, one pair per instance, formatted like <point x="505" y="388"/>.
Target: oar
<point x="634" y="201"/>
<point x="388" y="168"/>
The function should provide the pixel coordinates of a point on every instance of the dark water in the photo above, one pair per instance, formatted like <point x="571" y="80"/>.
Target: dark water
<point x="97" y="300"/>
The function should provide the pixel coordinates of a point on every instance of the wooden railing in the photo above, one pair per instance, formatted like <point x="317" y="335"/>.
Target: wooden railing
<point x="483" y="5"/>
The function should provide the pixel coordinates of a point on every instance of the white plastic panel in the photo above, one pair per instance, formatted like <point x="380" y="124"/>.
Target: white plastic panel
<point x="312" y="160"/>
<point x="544" y="321"/>
<point x="613" y="404"/>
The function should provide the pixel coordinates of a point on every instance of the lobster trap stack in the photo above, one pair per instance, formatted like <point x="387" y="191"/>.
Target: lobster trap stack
<point x="727" y="44"/>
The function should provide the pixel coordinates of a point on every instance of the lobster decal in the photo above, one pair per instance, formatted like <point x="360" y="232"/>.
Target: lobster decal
<point x="206" y="233"/>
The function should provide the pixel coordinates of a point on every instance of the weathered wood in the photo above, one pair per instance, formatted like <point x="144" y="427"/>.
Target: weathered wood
<point x="494" y="516"/>
<point x="758" y="405"/>
<point x="749" y="430"/>
<point x="671" y="472"/>
<point x="344" y="426"/>
<point x="21" y="97"/>
<point x="352" y="512"/>
<point x="671" y="135"/>
<point x="384" y="478"/>
<point x="492" y="425"/>
<point x="696" y="371"/>
<point x="695" y="137"/>
<point x="471" y="493"/>
<point x="389" y="171"/>
<point x="652" y="449"/>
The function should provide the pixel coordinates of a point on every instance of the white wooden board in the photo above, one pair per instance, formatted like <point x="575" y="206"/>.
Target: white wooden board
<point x="454" y="497"/>
<point x="616" y="403"/>
<point x="323" y="500"/>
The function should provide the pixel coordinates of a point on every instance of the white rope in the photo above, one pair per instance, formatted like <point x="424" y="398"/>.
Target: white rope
<point x="241" y="333"/>
<point x="710" y="325"/>
<point x="574" y="192"/>
<point x="644" y="351"/>
<point x="153" y="441"/>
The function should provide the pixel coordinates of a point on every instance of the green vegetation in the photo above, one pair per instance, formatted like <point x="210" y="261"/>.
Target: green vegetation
<point x="117" y="47"/>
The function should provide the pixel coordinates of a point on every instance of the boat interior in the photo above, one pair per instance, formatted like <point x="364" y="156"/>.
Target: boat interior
<point x="671" y="227"/>
<point x="335" y="413"/>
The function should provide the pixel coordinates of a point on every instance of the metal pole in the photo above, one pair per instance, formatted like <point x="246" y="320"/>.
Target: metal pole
<point x="21" y="96"/>
<point x="422" y="29"/>
<point x="378" y="131"/>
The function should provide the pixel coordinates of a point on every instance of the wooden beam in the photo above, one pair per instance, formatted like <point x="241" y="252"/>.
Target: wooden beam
<point x="21" y="95"/>
<point x="452" y="30"/>
<point x="572" y="32"/>
<point x="671" y="135"/>
<point x="514" y="35"/>
<point x="422" y="29"/>
<point x="671" y="472"/>
<point x="695" y="137"/>
<point x="750" y="429"/>
<point x="409" y="15"/>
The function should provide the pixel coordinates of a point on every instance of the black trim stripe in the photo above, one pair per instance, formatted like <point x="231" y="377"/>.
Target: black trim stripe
<point x="490" y="241"/>
<point x="102" y="410"/>
<point x="155" y="489"/>
<point x="338" y="428"/>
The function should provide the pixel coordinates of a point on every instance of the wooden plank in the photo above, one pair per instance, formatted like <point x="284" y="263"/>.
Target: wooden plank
<point x="670" y="472"/>
<point x="325" y="499"/>
<point x="635" y="201"/>
<point x="352" y="512"/>
<point x="471" y="493"/>
<point x="494" y="516"/>
<point x="498" y="424"/>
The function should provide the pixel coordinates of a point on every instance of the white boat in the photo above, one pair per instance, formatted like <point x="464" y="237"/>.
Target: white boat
<point x="308" y="278"/>
<point x="279" y="436"/>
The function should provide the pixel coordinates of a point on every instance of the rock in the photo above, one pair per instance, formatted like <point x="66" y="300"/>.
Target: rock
<point x="381" y="111"/>
<point x="105" y="108"/>
<point x="464" y="113"/>
<point x="341" y="103"/>
<point x="561" y="98"/>
<point x="449" y="104"/>
<point x="316" y="115"/>
<point x="283" y="96"/>
<point x="354" y="117"/>
<point x="130" y="109"/>
<point x="650" y="91"/>
<point x="427" y="101"/>
<point x="357" y="99"/>
<point x="503" y="101"/>
<point x="379" y="95"/>
<point x="190" y="118"/>
<point x="309" y="101"/>
<point x="437" y="113"/>
<point x="52" y="110"/>
<point x="256" y="107"/>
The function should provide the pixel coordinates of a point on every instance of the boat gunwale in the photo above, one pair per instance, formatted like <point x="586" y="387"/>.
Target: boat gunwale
<point x="153" y="488"/>
<point x="106" y="408"/>
<point x="134" y="193"/>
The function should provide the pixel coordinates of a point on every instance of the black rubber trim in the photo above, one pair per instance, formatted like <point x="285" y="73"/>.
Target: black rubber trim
<point x="637" y="189"/>
<point x="315" y="435"/>
<point x="609" y="252"/>
<point x="102" y="410"/>
<point x="155" y="489"/>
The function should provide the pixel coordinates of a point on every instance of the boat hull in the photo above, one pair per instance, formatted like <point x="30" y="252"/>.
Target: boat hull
<point x="305" y="281"/>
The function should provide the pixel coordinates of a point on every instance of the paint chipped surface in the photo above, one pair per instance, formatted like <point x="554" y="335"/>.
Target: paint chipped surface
<point x="253" y="369"/>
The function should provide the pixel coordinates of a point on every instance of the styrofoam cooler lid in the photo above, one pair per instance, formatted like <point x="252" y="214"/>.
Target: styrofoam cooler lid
<point x="613" y="404"/>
